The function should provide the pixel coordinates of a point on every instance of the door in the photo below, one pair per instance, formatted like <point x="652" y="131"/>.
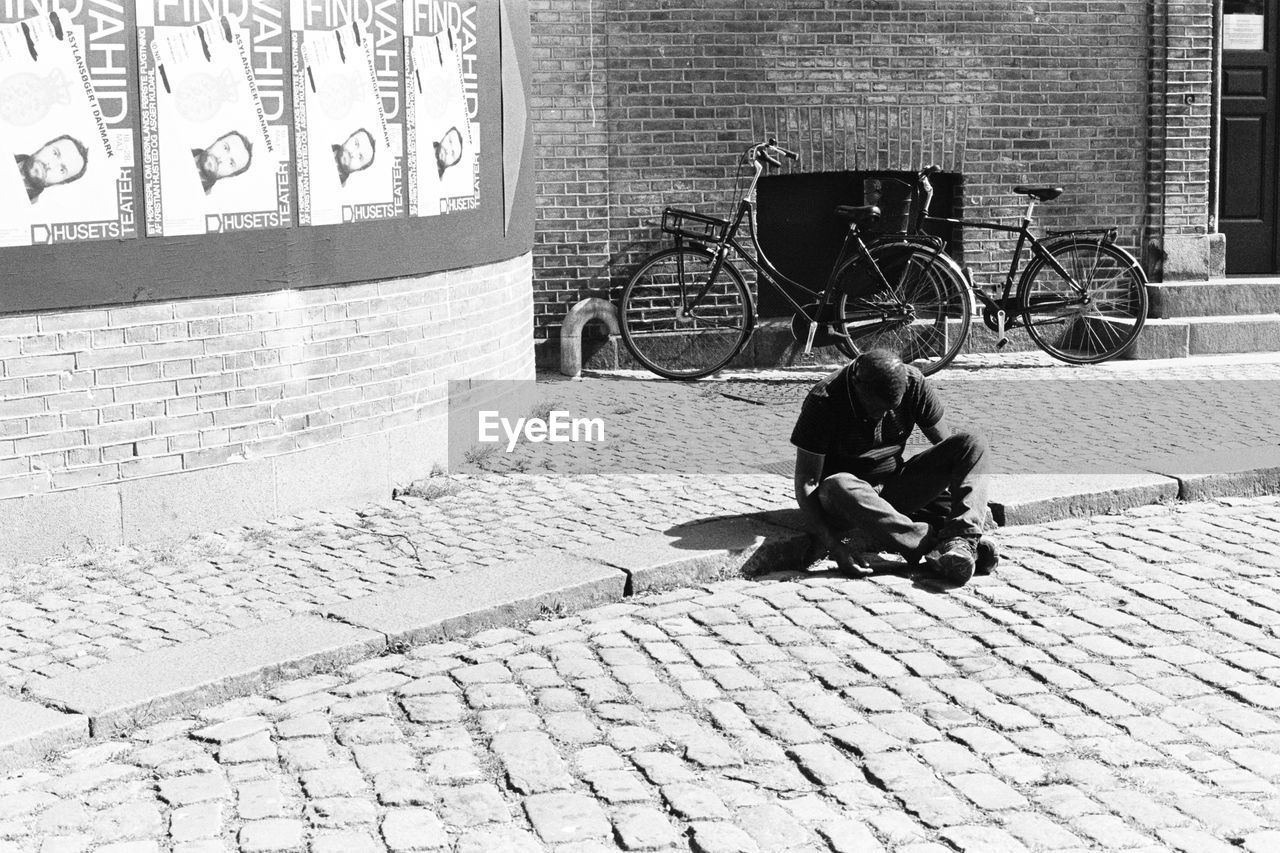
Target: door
<point x="1247" y="198"/>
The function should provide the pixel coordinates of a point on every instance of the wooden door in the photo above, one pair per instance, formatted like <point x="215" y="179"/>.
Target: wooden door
<point x="1247" y="196"/>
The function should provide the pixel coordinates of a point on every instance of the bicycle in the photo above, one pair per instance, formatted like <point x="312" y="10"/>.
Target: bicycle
<point x="687" y="311"/>
<point x="1081" y="298"/>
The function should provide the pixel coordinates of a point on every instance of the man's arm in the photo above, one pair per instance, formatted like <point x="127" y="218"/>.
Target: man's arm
<point x="938" y="432"/>
<point x="808" y="477"/>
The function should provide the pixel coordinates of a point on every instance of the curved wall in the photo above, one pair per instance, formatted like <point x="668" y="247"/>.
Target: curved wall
<point x="134" y="423"/>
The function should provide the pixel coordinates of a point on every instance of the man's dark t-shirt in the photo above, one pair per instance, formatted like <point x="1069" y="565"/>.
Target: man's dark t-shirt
<point x="832" y="423"/>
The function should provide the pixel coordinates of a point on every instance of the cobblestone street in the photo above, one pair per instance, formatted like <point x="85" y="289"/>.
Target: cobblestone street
<point x="1116" y="685"/>
<point x="78" y="611"/>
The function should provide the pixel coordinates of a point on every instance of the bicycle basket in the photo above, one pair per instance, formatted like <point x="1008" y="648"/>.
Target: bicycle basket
<point x="894" y="198"/>
<point x="693" y="226"/>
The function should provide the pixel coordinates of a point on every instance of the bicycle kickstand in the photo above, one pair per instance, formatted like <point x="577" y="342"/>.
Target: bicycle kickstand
<point x="1002" y="338"/>
<point x="808" y="343"/>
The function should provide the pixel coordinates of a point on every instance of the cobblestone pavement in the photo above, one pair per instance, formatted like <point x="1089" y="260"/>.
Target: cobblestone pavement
<point x="1115" y="686"/>
<point x="677" y="453"/>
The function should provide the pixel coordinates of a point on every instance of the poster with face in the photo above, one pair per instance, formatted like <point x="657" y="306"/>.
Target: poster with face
<point x="66" y="144"/>
<point x="442" y="106"/>
<point x="347" y="78"/>
<point x="215" y="131"/>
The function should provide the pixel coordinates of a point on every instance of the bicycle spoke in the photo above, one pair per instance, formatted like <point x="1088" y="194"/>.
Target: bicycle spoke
<point x="932" y="302"/>
<point x="680" y="323"/>
<point x="1098" y="327"/>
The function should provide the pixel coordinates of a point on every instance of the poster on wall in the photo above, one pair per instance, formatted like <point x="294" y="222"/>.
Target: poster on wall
<point x="348" y="72"/>
<point x="442" y="106"/>
<point x="66" y="138"/>
<point x="215" y="125"/>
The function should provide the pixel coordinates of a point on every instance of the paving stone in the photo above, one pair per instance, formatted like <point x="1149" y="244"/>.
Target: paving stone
<point x="378" y="758"/>
<point x="452" y="766"/>
<point x="344" y="842"/>
<point x="987" y="792"/>
<point x="473" y="805"/>
<point x="433" y="708"/>
<point x="403" y="788"/>
<point x="413" y="829"/>
<point x="191" y="823"/>
<point x="564" y="817"/>
<point x="824" y="764"/>
<point x="532" y="763"/>
<point x="639" y="828"/>
<point x="261" y="799"/>
<point x="184" y="790"/>
<point x="982" y="838"/>
<point x="256" y="747"/>
<point x="722" y="838"/>
<point x="772" y="828"/>
<point x="341" y="811"/>
<point x="503" y="840"/>
<point x="850" y="836"/>
<point x="268" y="836"/>
<point x="334" y="782"/>
<point x="694" y="802"/>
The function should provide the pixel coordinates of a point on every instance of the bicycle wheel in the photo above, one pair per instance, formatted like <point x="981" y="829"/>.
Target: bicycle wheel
<point x="1096" y="317"/>
<point x="923" y="315"/>
<point x="678" y="327"/>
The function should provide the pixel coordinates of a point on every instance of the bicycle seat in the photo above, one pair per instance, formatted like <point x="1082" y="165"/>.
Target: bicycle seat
<point x="855" y="213"/>
<point x="1040" y="193"/>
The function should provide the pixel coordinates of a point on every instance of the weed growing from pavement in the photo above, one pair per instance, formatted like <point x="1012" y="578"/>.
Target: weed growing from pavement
<point x="554" y="610"/>
<point x="429" y="489"/>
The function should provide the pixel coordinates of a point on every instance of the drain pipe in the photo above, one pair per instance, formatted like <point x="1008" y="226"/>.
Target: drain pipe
<point x="592" y="308"/>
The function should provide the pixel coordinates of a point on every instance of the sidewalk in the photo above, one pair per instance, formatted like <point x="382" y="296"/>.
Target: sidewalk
<point x="696" y="481"/>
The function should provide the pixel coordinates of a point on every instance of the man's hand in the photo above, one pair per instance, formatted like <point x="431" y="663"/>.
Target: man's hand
<point x="844" y="558"/>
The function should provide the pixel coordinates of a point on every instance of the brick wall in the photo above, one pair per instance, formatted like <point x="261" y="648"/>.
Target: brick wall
<point x="105" y="398"/>
<point x="1008" y="92"/>
<point x="1180" y="114"/>
<point x="568" y="106"/>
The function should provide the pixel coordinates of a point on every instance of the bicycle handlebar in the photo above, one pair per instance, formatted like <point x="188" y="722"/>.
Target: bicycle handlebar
<point x="768" y="151"/>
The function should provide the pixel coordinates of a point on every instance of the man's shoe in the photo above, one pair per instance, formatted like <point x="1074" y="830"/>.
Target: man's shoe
<point x="922" y="550"/>
<point x="987" y="558"/>
<point x="955" y="560"/>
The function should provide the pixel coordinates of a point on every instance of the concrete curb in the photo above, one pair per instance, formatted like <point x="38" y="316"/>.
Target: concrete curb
<point x="29" y="730"/>
<point x="1038" y="498"/>
<point x="135" y="690"/>
<point x="548" y="583"/>
<point x="701" y="552"/>
<point x="1217" y="473"/>
<point x="107" y="699"/>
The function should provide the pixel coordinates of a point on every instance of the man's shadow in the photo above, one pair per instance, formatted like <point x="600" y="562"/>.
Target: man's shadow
<point x="776" y="545"/>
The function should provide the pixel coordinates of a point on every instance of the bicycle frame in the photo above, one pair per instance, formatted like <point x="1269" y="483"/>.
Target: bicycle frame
<point x="1000" y="307"/>
<point x="853" y="246"/>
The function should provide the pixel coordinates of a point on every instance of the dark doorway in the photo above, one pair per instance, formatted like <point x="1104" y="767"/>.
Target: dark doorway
<point x="801" y="236"/>
<point x="1247" y="197"/>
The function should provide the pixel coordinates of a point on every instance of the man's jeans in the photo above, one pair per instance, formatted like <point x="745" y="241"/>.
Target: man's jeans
<point x="945" y="485"/>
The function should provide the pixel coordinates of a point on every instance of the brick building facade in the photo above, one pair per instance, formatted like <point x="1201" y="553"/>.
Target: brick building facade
<point x="161" y="385"/>
<point x="642" y="103"/>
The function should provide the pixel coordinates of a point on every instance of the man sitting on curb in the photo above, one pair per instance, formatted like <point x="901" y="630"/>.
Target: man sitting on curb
<point x="850" y="476"/>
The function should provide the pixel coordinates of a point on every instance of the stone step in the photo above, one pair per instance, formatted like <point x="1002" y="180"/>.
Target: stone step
<point x="1208" y="335"/>
<point x="772" y="344"/>
<point x="1214" y="298"/>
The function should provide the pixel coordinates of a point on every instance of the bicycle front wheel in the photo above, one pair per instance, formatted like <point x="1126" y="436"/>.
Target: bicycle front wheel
<point x="1096" y="314"/>
<point x="920" y="309"/>
<point x="680" y="324"/>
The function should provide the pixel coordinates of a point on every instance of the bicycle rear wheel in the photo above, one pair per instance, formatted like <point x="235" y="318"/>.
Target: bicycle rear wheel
<point x="678" y="327"/>
<point x="923" y="315"/>
<point x="1094" y="319"/>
